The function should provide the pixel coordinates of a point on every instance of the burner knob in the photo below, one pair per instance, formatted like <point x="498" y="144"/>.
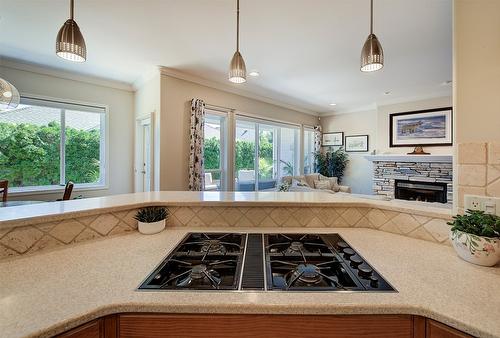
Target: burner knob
<point x="365" y="271"/>
<point x="342" y="245"/>
<point x="374" y="282"/>
<point x="348" y="252"/>
<point x="355" y="261"/>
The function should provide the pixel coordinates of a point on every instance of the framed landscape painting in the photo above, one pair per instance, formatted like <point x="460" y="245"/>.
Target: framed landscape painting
<point x="333" y="139"/>
<point x="356" y="143"/>
<point x="432" y="127"/>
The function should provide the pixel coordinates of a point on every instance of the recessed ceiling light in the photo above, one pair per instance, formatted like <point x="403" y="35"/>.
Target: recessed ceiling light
<point x="333" y="104"/>
<point x="387" y="93"/>
<point x="254" y="73"/>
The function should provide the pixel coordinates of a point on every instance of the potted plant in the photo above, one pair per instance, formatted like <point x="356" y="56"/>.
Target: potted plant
<point x="331" y="163"/>
<point x="151" y="220"/>
<point x="476" y="237"/>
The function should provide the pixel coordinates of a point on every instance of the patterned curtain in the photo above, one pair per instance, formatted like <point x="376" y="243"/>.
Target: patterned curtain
<point x="196" y="137"/>
<point x="317" y="138"/>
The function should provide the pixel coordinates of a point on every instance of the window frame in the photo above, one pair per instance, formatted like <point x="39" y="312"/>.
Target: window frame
<point x="223" y="165"/>
<point x="278" y="125"/>
<point x="307" y="129"/>
<point x="32" y="99"/>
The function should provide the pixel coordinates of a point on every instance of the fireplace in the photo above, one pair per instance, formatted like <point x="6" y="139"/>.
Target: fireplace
<point x="420" y="191"/>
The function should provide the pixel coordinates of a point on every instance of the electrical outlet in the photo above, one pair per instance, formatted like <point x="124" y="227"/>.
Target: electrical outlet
<point x="490" y="205"/>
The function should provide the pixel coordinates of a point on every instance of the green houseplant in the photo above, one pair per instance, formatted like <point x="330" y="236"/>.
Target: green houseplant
<point x="151" y="220"/>
<point x="331" y="163"/>
<point x="475" y="236"/>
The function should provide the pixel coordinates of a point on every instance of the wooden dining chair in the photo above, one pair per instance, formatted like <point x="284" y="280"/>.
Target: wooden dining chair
<point x="67" y="191"/>
<point x="4" y="187"/>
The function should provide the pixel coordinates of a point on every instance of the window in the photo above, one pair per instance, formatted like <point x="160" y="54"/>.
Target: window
<point x="269" y="149"/>
<point x="44" y="144"/>
<point x="214" y="151"/>
<point x="308" y="151"/>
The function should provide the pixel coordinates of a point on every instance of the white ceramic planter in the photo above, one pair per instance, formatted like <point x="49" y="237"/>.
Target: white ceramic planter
<point x="151" y="228"/>
<point x="478" y="250"/>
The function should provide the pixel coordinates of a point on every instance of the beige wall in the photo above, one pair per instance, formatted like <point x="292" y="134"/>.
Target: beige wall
<point x="375" y="123"/>
<point x="382" y="144"/>
<point x="176" y="95"/>
<point x="358" y="174"/>
<point x="120" y="127"/>
<point x="477" y="97"/>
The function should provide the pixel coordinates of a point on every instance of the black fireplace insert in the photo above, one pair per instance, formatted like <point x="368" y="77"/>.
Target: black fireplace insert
<point x="420" y="191"/>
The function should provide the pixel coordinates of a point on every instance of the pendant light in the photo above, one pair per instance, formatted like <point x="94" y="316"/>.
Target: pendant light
<point x="237" y="69"/>
<point x="70" y="44"/>
<point x="9" y="96"/>
<point x="372" y="55"/>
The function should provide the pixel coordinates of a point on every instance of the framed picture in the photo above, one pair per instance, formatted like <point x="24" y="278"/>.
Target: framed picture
<point x="356" y="143"/>
<point x="333" y="139"/>
<point x="432" y="127"/>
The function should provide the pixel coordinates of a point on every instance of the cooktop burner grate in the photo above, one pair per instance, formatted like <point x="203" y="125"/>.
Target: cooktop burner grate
<point x="274" y="262"/>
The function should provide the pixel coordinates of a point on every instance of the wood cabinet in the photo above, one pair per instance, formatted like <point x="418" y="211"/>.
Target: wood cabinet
<point x="438" y="330"/>
<point x="105" y="327"/>
<point x="266" y="326"/>
<point x="93" y="329"/>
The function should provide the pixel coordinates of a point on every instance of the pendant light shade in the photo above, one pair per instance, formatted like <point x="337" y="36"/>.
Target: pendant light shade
<point x="237" y="68"/>
<point x="70" y="44"/>
<point x="9" y="96"/>
<point x="372" y="55"/>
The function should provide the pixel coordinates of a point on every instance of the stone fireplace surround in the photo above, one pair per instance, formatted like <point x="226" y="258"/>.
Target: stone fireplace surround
<point x="424" y="168"/>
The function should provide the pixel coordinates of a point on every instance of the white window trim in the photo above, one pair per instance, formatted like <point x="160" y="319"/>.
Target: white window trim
<point x="224" y="138"/>
<point x="104" y="150"/>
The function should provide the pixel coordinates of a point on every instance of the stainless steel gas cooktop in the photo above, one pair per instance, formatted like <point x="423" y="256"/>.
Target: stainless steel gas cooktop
<point x="266" y="262"/>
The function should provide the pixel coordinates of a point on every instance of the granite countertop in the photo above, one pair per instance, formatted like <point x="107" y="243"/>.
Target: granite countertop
<point x="51" y="292"/>
<point x="47" y="212"/>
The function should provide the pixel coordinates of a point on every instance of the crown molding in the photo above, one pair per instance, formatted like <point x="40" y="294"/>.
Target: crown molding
<point x="230" y="89"/>
<point x="64" y="74"/>
<point x="145" y="77"/>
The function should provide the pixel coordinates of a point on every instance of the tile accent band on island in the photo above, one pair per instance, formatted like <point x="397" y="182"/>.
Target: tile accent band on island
<point x="47" y="232"/>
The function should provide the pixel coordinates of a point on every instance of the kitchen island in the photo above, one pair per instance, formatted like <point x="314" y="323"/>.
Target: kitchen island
<point x="51" y="292"/>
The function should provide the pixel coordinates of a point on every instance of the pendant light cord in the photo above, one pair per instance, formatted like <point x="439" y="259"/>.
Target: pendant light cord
<point x="371" y="16"/>
<point x="237" y="25"/>
<point x="71" y="6"/>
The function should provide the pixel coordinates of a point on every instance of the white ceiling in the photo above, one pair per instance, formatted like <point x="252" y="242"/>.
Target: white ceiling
<point x="307" y="51"/>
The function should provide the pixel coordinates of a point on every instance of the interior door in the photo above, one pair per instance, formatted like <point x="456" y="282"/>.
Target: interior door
<point x="146" y="156"/>
<point x="143" y="154"/>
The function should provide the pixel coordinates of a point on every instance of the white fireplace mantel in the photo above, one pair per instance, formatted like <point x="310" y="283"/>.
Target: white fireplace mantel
<point x="410" y="158"/>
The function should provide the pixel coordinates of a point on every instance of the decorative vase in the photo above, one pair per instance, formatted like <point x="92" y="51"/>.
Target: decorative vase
<point x="151" y="228"/>
<point x="475" y="249"/>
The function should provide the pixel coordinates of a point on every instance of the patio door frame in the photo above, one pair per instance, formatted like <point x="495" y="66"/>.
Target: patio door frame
<point x="257" y="120"/>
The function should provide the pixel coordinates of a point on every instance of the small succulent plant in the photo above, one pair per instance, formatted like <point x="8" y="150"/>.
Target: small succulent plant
<point x="477" y="223"/>
<point x="151" y="214"/>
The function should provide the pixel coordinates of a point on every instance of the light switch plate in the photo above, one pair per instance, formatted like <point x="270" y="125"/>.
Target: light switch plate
<point x="490" y="205"/>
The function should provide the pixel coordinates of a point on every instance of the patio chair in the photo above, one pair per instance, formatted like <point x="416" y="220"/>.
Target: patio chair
<point x="209" y="183"/>
<point x="4" y="187"/>
<point x="68" y="189"/>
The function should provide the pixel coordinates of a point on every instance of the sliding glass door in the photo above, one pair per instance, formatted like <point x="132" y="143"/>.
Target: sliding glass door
<point x="245" y="154"/>
<point x="264" y="153"/>
<point x="214" y="151"/>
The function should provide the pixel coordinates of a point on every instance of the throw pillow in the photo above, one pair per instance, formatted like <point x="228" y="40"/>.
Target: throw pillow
<point x="299" y="183"/>
<point x="323" y="185"/>
<point x="333" y="181"/>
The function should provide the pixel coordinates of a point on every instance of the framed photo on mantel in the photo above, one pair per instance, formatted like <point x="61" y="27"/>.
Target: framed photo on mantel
<point x="431" y="127"/>
<point x="333" y="139"/>
<point x="356" y="143"/>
